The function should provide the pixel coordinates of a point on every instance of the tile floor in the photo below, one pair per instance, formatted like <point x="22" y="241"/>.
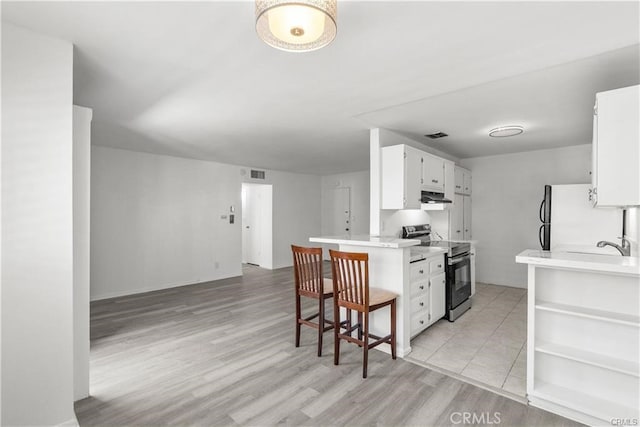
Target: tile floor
<point x="487" y="344"/>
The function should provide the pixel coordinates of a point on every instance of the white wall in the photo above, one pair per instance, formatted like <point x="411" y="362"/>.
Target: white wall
<point x="81" y="260"/>
<point x="507" y="191"/>
<point x="156" y="222"/>
<point x="37" y="229"/>
<point x="296" y="210"/>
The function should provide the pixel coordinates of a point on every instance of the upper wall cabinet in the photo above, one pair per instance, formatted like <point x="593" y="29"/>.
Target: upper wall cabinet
<point x="432" y="173"/>
<point x="616" y="148"/>
<point x="463" y="181"/>
<point x="401" y="177"/>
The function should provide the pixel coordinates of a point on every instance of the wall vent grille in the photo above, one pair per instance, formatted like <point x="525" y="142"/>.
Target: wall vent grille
<point x="436" y="135"/>
<point x="255" y="174"/>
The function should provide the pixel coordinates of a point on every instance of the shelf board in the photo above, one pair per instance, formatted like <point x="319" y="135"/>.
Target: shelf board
<point x="590" y="313"/>
<point x="585" y="403"/>
<point x="595" y="359"/>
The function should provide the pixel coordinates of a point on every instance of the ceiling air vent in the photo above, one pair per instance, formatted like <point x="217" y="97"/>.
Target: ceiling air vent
<point x="257" y="174"/>
<point x="436" y="135"/>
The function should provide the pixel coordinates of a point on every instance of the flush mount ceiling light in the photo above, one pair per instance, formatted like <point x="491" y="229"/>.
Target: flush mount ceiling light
<point x="296" y="26"/>
<point x="502" y="131"/>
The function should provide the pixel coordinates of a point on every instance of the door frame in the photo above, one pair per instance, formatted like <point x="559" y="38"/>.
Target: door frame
<point x="265" y="225"/>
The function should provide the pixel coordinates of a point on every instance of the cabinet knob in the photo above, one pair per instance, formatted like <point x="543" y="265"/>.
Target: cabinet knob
<point x="435" y="181"/>
<point x="422" y="322"/>
<point x="421" y="287"/>
<point x="421" y="271"/>
<point x="457" y="231"/>
<point x="421" y="304"/>
<point x="439" y="265"/>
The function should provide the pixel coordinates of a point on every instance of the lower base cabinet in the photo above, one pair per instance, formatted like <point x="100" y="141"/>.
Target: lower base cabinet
<point x="428" y="297"/>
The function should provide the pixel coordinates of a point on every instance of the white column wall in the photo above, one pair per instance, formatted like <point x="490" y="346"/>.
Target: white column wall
<point x="37" y="229"/>
<point x="81" y="261"/>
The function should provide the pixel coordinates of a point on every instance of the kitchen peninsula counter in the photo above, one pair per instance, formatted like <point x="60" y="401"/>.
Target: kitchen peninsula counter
<point x="367" y="240"/>
<point x="389" y="269"/>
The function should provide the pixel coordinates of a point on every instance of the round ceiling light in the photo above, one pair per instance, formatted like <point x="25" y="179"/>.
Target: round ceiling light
<point x="296" y="26"/>
<point x="502" y="131"/>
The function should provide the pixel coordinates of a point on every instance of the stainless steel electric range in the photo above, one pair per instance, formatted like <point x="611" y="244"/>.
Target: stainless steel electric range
<point x="458" y="271"/>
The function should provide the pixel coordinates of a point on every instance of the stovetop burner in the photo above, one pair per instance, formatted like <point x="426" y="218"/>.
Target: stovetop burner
<point x="422" y="232"/>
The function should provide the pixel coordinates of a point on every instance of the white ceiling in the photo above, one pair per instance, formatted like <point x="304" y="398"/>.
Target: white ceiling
<point x="193" y="79"/>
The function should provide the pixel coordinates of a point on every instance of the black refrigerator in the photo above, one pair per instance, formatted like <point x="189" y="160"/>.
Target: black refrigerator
<point x="544" y="232"/>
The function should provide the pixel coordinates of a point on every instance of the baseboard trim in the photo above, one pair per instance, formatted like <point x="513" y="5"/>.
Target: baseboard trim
<point x="73" y="422"/>
<point x="131" y="292"/>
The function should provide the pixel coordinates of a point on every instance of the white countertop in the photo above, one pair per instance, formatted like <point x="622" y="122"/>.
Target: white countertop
<point x="581" y="261"/>
<point x="367" y="240"/>
<point x="428" y="250"/>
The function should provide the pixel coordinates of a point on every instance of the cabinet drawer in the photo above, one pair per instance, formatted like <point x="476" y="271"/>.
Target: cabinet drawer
<point x="436" y="265"/>
<point x="419" y="287"/>
<point x="419" y="321"/>
<point x="420" y="302"/>
<point x="419" y="270"/>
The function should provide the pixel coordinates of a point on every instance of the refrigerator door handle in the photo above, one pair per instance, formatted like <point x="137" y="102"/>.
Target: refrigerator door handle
<point x="540" y="235"/>
<point x="541" y="209"/>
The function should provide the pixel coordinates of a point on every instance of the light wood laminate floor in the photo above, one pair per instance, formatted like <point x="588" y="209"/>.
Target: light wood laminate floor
<point x="222" y="353"/>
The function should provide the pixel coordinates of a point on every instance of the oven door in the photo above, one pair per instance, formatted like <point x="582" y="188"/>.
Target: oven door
<point x="458" y="280"/>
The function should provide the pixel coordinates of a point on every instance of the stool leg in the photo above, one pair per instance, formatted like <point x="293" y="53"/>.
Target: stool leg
<point x="298" y="315"/>
<point x="393" y="329"/>
<point x="360" y="327"/>
<point x="365" y="346"/>
<point x="336" y="330"/>
<point x="320" y="324"/>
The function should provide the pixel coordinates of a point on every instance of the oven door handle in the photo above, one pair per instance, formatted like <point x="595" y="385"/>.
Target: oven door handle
<point x="454" y="261"/>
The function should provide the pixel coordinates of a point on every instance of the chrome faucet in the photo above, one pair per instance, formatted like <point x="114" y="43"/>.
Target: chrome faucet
<point x="624" y="249"/>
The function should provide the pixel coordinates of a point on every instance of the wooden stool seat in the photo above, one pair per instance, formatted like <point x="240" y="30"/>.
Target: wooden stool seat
<point x="379" y="296"/>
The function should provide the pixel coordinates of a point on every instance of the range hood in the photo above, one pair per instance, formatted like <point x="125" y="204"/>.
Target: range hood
<point x="431" y="197"/>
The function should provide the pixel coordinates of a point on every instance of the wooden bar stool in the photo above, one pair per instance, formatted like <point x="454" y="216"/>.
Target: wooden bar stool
<point x="351" y="290"/>
<point x="307" y="270"/>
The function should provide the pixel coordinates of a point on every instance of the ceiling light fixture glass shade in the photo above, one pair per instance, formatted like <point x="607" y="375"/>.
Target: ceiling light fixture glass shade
<point x="502" y="131"/>
<point x="296" y="26"/>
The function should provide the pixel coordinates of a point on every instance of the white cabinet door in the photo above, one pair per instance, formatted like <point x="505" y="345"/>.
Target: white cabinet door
<point x="466" y="183"/>
<point x="616" y="148"/>
<point x="449" y="181"/>
<point x="437" y="301"/>
<point x="459" y="173"/>
<point x="401" y="169"/>
<point x="432" y="173"/>
<point x="466" y="217"/>
<point x="413" y="174"/>
<point x="456" y="221"/>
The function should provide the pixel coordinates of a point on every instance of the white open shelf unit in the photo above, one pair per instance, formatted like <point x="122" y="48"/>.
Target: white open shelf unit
<point x="584" y="344"/>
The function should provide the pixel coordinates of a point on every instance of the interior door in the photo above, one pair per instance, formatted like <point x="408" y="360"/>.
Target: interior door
<point x="341" y="215"/>
<point x="251" y="230"/>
